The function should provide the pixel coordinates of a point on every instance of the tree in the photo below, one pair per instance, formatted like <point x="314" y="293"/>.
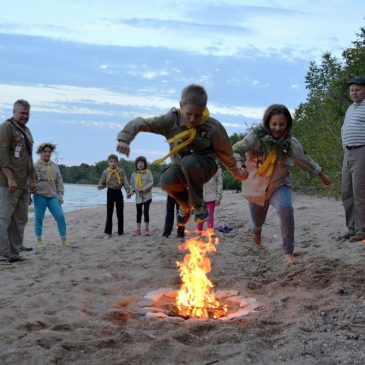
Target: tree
<point x="318" y="121"/>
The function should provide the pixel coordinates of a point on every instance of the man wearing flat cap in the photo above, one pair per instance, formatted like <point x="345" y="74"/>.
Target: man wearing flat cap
<point x="353" y="169"/>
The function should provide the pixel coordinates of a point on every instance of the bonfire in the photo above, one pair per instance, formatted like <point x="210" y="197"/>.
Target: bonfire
<point x="196" y="296"/>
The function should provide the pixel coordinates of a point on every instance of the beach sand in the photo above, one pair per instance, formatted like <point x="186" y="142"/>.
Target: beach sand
<point x="72" y="306"/>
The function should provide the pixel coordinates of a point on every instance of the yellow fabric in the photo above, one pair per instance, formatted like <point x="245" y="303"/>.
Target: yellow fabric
<point x="268" y="164"/>
<point x="138" y="180"/>
<point x="117" y="174"/>
<point x="185" y="137"/>
<point x="49" y="170"/>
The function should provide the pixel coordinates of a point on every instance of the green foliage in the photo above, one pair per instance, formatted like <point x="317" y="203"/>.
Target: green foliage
<point x="318" y="121"/>
<point x="229" y="182"/>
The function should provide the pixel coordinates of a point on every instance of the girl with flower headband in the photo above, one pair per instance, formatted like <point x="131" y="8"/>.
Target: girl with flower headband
<point x="268" y="153"/>
<point x="49" y="194"/>
<point x="141" y="184"/>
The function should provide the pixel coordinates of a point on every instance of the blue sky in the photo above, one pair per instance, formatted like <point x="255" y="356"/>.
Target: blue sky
<point x="89" y="66"/>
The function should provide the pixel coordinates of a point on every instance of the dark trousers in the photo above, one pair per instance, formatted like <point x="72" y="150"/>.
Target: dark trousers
<point x="114" y="196"/>
<point x="170" y="216"/>
<point x="146" y="211"/>
<point x="185" y="182"/>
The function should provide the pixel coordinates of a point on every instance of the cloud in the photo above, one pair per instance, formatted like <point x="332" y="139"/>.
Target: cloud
<point x="57" y="98"/>
<point x="218" y="28"/>
<point x="95" y="124"/>
<point x="184" y="26"/>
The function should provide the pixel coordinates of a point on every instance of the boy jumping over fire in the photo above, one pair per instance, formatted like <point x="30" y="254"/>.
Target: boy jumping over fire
<point x="195" y="140"/>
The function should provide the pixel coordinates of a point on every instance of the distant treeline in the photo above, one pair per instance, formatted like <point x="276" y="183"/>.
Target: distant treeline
<point x="317" y="125"/>
<point x="90" y="174"/>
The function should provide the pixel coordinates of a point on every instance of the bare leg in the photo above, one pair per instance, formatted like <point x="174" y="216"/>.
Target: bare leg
<point x="257" y="238"/>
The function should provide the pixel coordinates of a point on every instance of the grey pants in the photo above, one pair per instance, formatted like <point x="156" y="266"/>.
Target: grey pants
<point x="184" y="182"/>
<point x="353" y="188"/>
<point x="13" y="218"/>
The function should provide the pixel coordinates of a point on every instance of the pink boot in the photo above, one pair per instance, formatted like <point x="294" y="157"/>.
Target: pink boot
<point x="146" y="232"/>
<point x="137" y="232"/>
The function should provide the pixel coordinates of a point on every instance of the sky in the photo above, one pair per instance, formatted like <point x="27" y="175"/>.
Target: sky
<point x="87" y="67"/>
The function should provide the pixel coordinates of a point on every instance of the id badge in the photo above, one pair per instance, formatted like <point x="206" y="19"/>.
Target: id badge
<point x="17" y="151"/>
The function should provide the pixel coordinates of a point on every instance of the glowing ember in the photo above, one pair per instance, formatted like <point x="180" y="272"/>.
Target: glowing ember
<point x="196" y="297"/>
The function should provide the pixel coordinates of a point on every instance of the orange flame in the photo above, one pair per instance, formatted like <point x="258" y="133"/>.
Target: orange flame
<point x="196" y="296"/>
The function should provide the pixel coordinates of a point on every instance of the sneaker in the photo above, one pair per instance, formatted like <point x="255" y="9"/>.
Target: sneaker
<point x="137" y="232"/>
<point x="183" y="217"/>
<point x="41" y="245"/>
<point x="180" y="232"/>
<point x="146" y="232"/>
<point x="359" y="236"/>
<point x="68" y="244"/>
<point x="201" y="214"/>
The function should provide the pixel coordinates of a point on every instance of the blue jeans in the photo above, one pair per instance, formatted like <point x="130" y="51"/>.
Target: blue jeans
<point x="41" y="203"/>
<point x="281" y="200"/>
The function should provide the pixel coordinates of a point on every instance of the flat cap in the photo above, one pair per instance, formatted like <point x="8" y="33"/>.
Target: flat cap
<point x="357" y="81"/>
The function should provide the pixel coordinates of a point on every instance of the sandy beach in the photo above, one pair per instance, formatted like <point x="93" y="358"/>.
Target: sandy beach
<point x="73" y="306"/>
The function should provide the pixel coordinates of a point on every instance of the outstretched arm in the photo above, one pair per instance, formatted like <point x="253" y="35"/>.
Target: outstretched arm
<point x="123" y="148"/>
<point x="159" y="125"/>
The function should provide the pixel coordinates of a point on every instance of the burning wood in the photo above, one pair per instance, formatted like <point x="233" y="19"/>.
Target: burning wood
<point x="195" y="300"/>
<point x="196" y="297"/>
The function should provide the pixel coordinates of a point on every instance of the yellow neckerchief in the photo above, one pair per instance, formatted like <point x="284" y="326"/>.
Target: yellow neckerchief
<point x="268" y="164"/>
<point x="49" y="170"/>
<point x="138" y="179"/>
<point x="117" y="174"/>
<point x="185" y="137"/>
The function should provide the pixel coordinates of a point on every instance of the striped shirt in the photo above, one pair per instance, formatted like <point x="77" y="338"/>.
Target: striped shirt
<point x="353" y="128"/>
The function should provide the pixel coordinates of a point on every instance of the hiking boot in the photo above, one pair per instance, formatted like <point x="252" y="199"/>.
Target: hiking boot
<point x="201" y="214"/>
<point x="359" y="236"/>
<point x="4" y="261"/>
<point x="183" y="217"/>
<point x="26" y="249"/>
<point x="347" y="235"/>
<point x="17" y="259"/>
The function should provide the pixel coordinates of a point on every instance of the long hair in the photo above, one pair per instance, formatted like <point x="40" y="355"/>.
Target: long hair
<point x="278" y="109"/>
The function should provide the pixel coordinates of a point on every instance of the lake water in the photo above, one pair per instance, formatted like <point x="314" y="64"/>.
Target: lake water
<point x="80" y="196"/>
